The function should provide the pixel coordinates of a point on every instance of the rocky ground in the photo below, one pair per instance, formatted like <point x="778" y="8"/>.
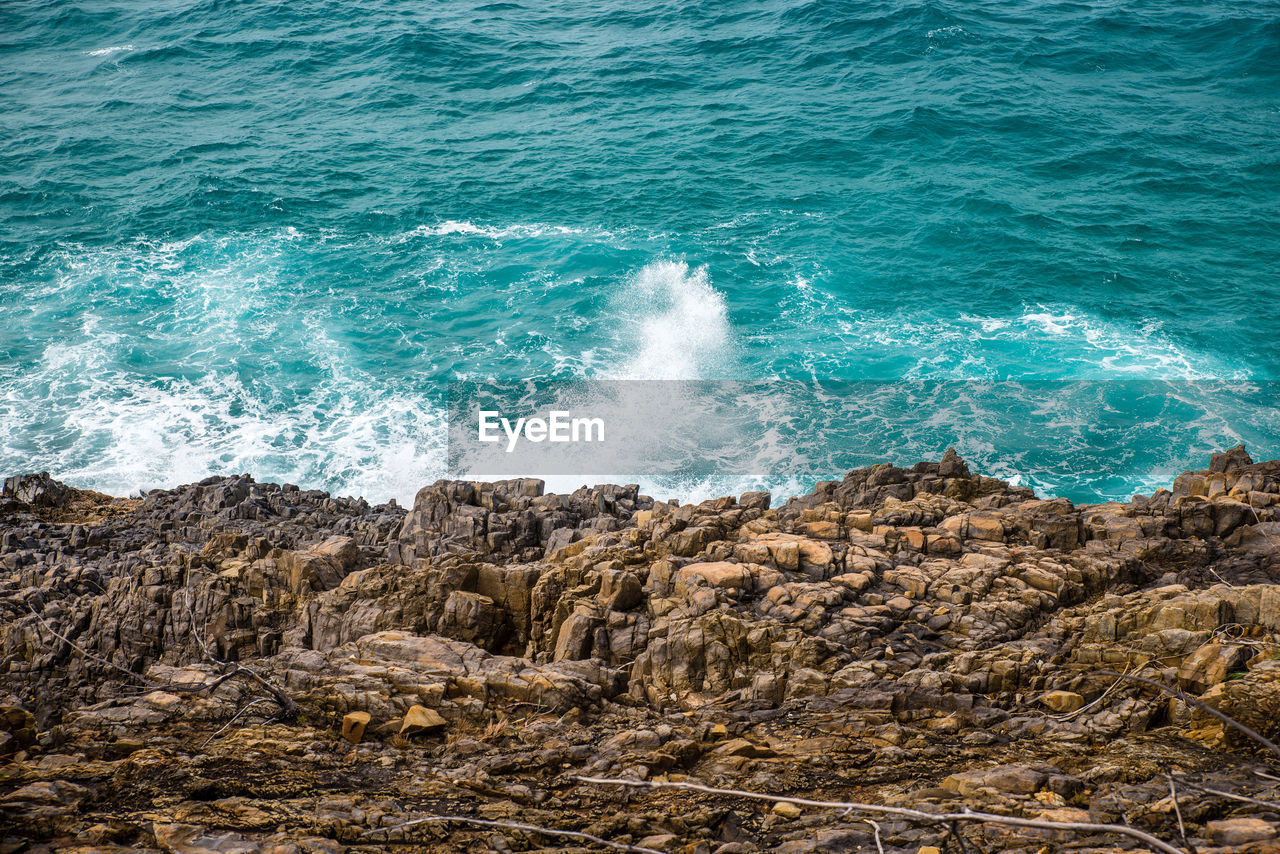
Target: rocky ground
<point x="242" y="667"/>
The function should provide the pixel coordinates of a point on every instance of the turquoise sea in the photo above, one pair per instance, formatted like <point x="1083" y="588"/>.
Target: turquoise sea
<point x="266" y="236"/>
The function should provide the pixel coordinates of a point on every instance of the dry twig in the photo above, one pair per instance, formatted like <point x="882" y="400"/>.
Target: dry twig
<point x="288" y="708"/>
<point x="875" y="828"/>
<point x="512" y="825"/>
<point x="234" y="718"/>
<point x="1205" y="707"/>
<point x="1177" y="811"/>
<point x="1245" y="799"/>
<point x="904" y="812"/>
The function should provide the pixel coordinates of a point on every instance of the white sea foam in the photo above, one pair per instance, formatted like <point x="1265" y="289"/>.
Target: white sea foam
<point x="204" y="399"/>
<point x="108" y="51"/>
<point x="501" y="232"/>
<point x="676" y="322"/>
<point x="124" y="433"/>
<point x="219" y="363"/>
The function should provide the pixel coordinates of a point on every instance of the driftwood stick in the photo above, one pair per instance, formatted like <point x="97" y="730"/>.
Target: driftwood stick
<point x="1204" y="707"/>
<point x="234" y="718"/>
<point x="1244" y="799"/>
<point x="1177" y="811"/>
<point x="1145" y="838"/>
<point x="512" y="825"/>
<point x="875" y="828"/>
<point x="288" y="708"/>
<point x="69" y="642"/>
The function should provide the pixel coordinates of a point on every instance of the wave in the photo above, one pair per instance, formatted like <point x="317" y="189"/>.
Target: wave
<point x="108" y="51"/>
<point x="321" y="357"/>
<point x="122" y="433"/>
<point x="677" y="324"/>
<point x="492" y="232"/>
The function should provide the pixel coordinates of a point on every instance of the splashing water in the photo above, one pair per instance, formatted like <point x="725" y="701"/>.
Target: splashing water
<point x="268" y="238"/>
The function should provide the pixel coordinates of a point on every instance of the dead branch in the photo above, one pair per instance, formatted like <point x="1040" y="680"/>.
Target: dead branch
<point x="290" y="709"/>
<point x="1231" y="795"/>
<point x="1147" y="839"/>
<point x="234" y="718"/>
<point x="1080" y="711"/>
<point x="875" y="828"/>
<point x="1199" y="704"/>
<point x="512" y="825"/>
<point x="1177" y="811"/>
<point x="69" y="642"/>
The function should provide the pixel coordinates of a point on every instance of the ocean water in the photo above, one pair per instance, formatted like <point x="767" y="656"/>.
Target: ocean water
<point x="266" y="237"/>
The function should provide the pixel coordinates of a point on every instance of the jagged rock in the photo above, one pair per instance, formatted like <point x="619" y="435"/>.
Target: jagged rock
<point x="36" y="490"/>
<point x="1210" y="665"/>
<point x="926" y="634"/>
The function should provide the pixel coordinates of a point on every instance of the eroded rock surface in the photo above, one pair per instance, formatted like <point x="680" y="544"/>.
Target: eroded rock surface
<point x="920" y="637"/>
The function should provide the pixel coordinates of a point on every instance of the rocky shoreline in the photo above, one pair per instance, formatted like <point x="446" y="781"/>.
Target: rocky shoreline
<point x="240" y="667"/>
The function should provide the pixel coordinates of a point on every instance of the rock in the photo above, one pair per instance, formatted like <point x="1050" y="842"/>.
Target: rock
<point x="658" y="841"/>
<point x="1014" y="779"/>
<point x="421" y="719"/>
<point x="886" y="624"/>
<point x="717" y="574"/>
<point x="36" y="490"/>
<point x="1210" y="665"/>
<point x="353" y="726"/>
<point x="54" y="793"/>
<point x="321" y="567"/>
<point x="620" y="590"/>
<point x="1240" y="831"/>
<point x="1230" y="460"/>
<point x="786" y="810"/>
<point x="1062" y="702"/>
<point x="984" y="526"/>
<point x="192" y="839"/>
<point x="20" y="724"/>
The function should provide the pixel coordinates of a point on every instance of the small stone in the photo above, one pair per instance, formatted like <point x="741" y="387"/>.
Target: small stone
<point x="1063" y="702"/>
<point x="658" y="841"/>
<point x="929" y="849"/>
<point x="353" y="724"/>
<point x="787" y="810"/>
<point x="420" y="719"/>
<point x="1050" y="799"/>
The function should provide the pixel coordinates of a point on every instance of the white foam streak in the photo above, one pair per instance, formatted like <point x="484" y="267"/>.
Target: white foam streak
<point x="108" y="51"/>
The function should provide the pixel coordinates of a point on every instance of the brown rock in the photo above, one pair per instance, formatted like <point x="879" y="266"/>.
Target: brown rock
<point x="353" y="726"/>
<point x="1210" y="665"/>
<point x="1063" y="702"/>
<point x="421" y="719"/>
<point x="1014" y="779"/>
<point x="1240" y="831"/>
